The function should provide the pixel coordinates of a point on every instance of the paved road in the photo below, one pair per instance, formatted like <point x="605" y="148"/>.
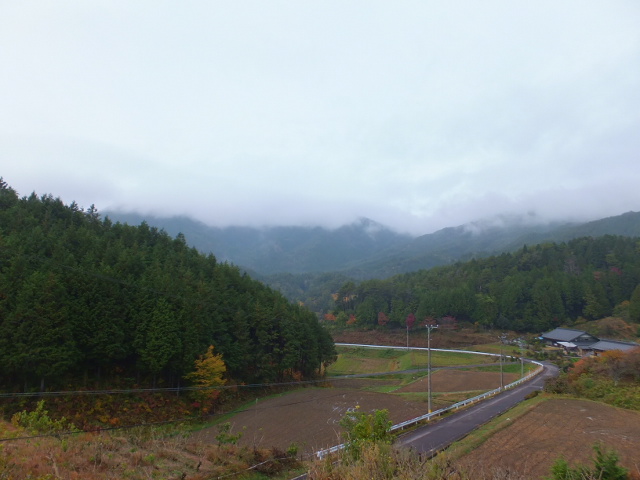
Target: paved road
<point x="434" y="437"/>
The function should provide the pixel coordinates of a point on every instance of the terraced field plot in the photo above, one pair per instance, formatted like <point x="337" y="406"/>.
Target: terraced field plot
<point x="530" y="444"/>
<point x="310" y="417"/>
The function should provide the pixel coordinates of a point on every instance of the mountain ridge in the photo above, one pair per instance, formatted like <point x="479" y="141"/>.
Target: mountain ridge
<point x="367" y="249"/>
<point x="279" y="249"/>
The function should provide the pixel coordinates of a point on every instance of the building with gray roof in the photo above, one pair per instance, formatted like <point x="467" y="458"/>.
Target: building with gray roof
<point x="607" y="345"/>
<point x="579" y="338"/>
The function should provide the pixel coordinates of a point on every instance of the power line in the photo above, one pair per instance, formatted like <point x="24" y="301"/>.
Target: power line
<point x="158" y="423"/>
<point x="234" y="386"/>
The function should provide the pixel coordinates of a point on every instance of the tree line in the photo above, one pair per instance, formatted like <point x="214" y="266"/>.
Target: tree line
<point x="86" y="301"/>
<point x="531" y="290"/>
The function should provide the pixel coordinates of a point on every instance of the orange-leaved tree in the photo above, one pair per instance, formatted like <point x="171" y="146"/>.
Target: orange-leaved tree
<point x="329" y="317"/>
<point x="208" y="374"/>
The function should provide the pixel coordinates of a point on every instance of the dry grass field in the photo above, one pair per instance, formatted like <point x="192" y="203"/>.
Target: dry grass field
<point x="310" y="418"/>
<point x="569" y="428"/>
<point x="459" y="381"/>
<point x="418" y="337"/>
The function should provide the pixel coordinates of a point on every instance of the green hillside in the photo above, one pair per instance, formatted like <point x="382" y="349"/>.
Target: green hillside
<point x="86" y="301"/>
<point x="533" y="289"/>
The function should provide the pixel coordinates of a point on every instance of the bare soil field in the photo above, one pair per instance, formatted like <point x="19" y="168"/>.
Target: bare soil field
<point x="418" y="338"/>
<point x="459" y="381"/>
<point x="310" y="418"/>
<point x="560" y="427"/>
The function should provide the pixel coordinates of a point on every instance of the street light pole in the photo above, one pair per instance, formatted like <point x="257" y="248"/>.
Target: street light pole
<point x="502" y="338"/>
<point x="429" y="328"/>
<point x="407" y="336"/>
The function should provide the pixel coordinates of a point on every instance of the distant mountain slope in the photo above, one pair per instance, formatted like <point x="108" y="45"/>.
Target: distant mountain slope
<point x="291" y="259"/>
<point x="483" y="238"/>
<point x="366" y="249"/>
<point x="273" y="250"/>
<point x="626" y="225"/>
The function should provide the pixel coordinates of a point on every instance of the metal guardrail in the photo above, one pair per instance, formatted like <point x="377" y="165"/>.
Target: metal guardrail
<point x="455" y="406"/>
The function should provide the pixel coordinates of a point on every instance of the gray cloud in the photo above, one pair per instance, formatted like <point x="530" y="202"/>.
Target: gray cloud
<point x="419" y="115"/>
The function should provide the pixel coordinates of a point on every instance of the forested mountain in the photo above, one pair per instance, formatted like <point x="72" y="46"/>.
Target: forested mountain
<point x="484" y="238"/>
<point x="533" y="289"/>
<point x="275" y="250"/>
<point x="311" y="261"/>
<point x="366" y="249"/>
<point x="83" y="300"/>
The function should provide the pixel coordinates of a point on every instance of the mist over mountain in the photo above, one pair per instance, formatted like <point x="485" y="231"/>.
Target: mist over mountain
<point x="367" y="249"/>
<point x="272" y="250"/>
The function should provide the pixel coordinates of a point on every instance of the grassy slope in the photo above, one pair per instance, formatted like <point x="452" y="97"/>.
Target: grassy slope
<point x="364" y="360"/>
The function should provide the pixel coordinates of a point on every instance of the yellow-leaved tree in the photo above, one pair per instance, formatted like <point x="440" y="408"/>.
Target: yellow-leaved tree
<point x="208" y="374"/>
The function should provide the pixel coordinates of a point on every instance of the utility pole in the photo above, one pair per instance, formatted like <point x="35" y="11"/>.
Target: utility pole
<point x="407" y="336"/>
<point x="502" y="338"/>
<point x="429" y="328"/>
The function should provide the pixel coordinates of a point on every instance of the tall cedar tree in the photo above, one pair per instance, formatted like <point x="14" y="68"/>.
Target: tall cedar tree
<point x="86" y="302"/>
<point x="534" y="289"/>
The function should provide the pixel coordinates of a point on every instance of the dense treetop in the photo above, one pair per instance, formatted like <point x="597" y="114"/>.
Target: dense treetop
<point x="84" y="298"/>
<point x="534" y="289"/>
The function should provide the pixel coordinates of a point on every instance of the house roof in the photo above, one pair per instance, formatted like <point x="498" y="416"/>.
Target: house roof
<point x="568" y="335"/>
<point x="605" y="345"/>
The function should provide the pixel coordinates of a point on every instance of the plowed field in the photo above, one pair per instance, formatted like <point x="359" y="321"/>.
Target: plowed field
<point x="459" y="381"/>
<point x="560" y="427"/>
<point x="310" y="417"/>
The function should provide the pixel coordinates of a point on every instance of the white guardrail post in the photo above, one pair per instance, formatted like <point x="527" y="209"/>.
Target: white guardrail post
<point x="400" y="426"/>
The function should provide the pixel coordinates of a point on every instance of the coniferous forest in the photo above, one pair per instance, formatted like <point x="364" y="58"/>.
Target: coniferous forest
<point x="535" y="289"/>
<point x="85" y="301"/>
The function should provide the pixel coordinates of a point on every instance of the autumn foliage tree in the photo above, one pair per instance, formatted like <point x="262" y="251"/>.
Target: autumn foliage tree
<point x="383" y="319"/>
<point x="329" y="317"/>
<point x="208" y="374"/>
<point x="411" y="320"/>
<point x="612" y="377"/>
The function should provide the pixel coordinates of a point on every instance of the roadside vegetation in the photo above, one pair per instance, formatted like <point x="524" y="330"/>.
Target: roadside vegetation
<point x="32" y="448"/>
<point x="613" y="378"/>
<point x="368" y="454"/>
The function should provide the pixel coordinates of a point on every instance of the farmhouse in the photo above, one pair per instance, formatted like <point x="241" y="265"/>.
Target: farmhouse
<point x="582" y="342"/>
<point x="569" y="338"/>
<point x="606" y="345"/>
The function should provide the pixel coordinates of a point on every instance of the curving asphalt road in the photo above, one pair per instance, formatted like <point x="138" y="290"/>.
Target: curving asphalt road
<point x="437" y="436"/>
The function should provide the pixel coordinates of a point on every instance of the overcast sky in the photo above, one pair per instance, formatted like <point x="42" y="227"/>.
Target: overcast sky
<point x="417" y="114"/>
